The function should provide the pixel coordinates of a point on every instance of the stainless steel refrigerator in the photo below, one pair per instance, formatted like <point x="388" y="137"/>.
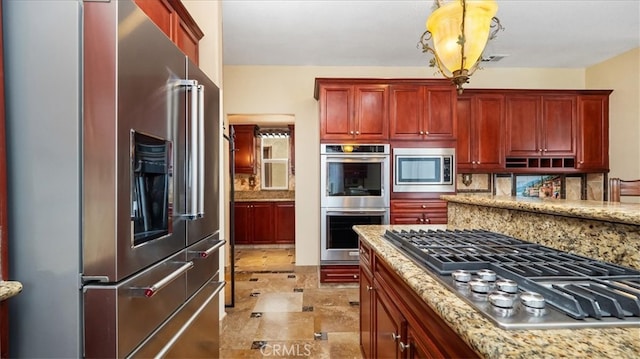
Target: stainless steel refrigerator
<point x="113" y="185"/>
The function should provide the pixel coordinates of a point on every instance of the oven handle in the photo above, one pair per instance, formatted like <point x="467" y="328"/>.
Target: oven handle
<point x="357" y="211"/>
<point x="356" y="158"/>
<point x="149" y="291"/>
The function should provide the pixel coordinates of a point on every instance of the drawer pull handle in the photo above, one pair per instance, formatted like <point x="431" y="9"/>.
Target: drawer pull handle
<point x="207" y="253"/>
<point x="149" y="291"/>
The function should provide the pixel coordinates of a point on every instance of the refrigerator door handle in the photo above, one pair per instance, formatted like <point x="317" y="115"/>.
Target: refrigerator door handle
<point x="192" y="138"/>
<point x="200" y="212"/>
<point x="149" y="291"/>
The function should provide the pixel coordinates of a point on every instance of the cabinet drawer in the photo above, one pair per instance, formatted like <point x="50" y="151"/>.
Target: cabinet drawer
<point x="340" y="274"/>
<point x="365" y="256"/>
<point x="430" y="206"/>
<point x="418" y="218"/>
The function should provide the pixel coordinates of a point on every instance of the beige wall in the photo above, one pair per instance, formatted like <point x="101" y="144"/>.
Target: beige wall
<point x="283" y="89"/>
<point x="622" y="74"/>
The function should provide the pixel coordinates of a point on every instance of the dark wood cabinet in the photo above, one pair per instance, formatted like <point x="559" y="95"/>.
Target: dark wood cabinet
<point x="540" y="125"/>
<point x="285" y="222"/>
<point x="350" y="111"/>
<point x="245" y="149"/>
<point x="480" y="132"/>
<point x="422" y="111"/>
<point x="366" y="312"/>
<point x="264" y="222"/>
<point x="397" y="322"/>
<point x="175" y="21"/>
<point x="339" y="273"/>
<point x="292" y="148"/>
<point x="421" y="211"/>
<point x="593" y="132"/>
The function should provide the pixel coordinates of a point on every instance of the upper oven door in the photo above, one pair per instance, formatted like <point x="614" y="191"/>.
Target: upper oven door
<point x="354" y="180"/>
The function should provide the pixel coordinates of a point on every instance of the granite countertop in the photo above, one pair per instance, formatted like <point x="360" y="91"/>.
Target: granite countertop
<point x="9" y="289"/>
<point x="264" y="196"/>
<point x="628" y="213"/>
<point x="483" y="336"/>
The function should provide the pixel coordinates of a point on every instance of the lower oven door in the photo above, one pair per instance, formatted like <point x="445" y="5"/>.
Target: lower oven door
<point x="339" y="242"/>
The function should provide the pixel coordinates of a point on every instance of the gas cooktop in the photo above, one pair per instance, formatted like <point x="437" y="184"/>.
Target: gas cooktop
<point x="523" y="285"/>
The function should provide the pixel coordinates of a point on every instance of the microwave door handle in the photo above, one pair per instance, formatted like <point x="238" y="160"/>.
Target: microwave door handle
<point x="200" y="179"/>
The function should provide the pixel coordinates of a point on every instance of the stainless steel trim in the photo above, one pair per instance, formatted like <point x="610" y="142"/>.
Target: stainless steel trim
<point x="193" y="165"/>
<point x="151" y="290"/>
<point x="200" y="89"/>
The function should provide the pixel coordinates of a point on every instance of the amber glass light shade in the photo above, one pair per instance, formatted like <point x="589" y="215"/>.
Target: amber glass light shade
<point x="454" y="51"/>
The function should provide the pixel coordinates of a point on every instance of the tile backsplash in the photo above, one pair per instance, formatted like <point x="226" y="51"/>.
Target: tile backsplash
<point x="589" y="186"/>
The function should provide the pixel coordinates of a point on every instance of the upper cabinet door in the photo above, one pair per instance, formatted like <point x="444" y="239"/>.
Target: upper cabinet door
<point x="523" y="125"/>
<point x="336" y="111"/>
<point x="406" y="103"/>
<point x="480" y="132"/>
<point x="422" y="112"/>
<point x="371" y="120"/>
<point x="353" y="112"/>
<point x="439" y="112"/>
<point x="593" y="133"/>
<point x="245" y="149"/>
<point x="559" y="121"/>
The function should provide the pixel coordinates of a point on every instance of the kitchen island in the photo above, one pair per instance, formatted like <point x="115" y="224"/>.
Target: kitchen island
<point x="605" y="231"/>
<point x="481" y="335"/>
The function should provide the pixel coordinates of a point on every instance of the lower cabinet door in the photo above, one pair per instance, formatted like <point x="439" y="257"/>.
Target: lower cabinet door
<point x="389" y="324"/>
<point x="366" y="315"/>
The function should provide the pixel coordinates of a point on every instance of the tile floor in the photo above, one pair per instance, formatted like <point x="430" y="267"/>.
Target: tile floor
<point x="282" y="311"/>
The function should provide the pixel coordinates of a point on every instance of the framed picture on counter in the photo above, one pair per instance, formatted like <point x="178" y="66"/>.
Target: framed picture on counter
<point x="540" y="186"/>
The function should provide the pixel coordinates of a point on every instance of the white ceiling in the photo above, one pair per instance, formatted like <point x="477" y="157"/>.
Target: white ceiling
<point x="538" y="33"/>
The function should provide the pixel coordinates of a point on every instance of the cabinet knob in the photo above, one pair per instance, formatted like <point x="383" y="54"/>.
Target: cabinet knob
<point x="395" y="336"/>
<point x="404" y="346"/>
<point x="423" y="206"/>
<point x="427" y="132"/>
<point x="539" y="149"/>
<point x="422" y="132"/>
<point x="421" y="220"/>
<point x="478" y="162"/>
<point x="369" y="288"/>
<point x="427" y="220"/>
<point x="355" y="276"/>
<point x="545" y="150"/>
<point x="351" y="132"/>
<point x="581" y="162"/>
<point x="473" y="162"/>
<point x="357" y="132"/>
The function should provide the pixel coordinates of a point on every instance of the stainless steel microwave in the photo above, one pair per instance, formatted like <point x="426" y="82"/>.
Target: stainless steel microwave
<point x="424" y="170"/>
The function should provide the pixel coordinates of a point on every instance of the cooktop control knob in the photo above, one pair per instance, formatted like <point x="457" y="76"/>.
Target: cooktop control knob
<point x="487" y="275"/>
<point x="502" y="300"/>
<point x="479" y="285"/>
<point x="461" y="275"/>
<point x="507" y="286"/>
<point x="532" y="300"/>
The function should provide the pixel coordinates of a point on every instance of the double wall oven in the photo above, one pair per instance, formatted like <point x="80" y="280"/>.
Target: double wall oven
<point x="354" y="190"/>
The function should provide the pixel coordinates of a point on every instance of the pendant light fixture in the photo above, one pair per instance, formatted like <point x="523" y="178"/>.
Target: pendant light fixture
<point x="459" y="31"/>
